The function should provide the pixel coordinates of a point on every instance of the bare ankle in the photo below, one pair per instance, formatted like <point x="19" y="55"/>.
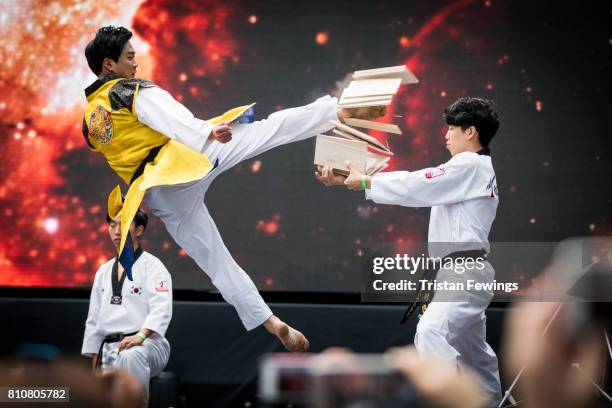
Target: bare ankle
<point x="273" y="324"/>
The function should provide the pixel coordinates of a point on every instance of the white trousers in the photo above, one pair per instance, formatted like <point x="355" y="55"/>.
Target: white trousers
<point x="454" y="328"/>
<point x="143" y="362"/>
<point x="182" y="210"/>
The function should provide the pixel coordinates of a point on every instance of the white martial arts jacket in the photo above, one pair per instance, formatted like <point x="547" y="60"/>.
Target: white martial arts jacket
<point x="146" y="302"/>
<point x="462" y="194"/>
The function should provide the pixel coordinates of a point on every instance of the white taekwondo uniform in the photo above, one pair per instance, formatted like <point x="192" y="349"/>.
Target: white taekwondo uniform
<point x="181" y="207"/>
<point x="145" y="302"/>
<point x="463" y="197"/>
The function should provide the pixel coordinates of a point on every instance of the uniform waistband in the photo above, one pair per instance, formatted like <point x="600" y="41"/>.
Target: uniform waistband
<point x="111" y="338"/>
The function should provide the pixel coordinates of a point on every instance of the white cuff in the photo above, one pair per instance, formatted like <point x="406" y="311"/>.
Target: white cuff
<point x="91" y="346"/>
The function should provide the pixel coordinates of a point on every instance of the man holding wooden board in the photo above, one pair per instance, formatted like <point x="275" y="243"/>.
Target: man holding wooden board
<point x="463" y="197"/>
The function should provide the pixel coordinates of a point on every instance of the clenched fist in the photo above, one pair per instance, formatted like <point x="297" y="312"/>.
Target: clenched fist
<point x="222" y="133"/>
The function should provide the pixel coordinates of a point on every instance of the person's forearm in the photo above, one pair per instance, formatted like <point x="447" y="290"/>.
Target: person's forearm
<point x="94" y="358"/>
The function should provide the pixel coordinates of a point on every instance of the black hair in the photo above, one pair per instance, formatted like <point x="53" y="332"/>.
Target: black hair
<point x="108" y="43"/>
<point x="477" y="112"/>
<point x="141" y="218"/>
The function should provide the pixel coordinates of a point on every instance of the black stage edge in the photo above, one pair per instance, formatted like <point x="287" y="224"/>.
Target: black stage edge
<point x="214" y="357"/>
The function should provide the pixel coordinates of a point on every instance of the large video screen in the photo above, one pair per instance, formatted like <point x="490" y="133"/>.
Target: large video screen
<point x="551" y="155"/>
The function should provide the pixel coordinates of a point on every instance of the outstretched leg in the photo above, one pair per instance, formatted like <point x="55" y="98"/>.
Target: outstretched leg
<point x="182" y="210"/>
<point x="280" y="128"/>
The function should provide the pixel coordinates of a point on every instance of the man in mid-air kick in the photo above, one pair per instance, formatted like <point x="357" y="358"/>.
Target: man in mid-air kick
<point x="170" y="158"/>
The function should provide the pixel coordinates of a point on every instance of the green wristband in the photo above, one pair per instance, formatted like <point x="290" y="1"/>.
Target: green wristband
<point x="142" y="336"/>
<point x="364" y="184"/>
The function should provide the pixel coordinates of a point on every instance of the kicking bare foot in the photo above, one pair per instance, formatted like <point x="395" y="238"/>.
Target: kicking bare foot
<point x="293" y="340"/>
<point x="368" y="112"/>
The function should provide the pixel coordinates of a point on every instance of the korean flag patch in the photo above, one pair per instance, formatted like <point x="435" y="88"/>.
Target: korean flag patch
<point x="161" y="285"/>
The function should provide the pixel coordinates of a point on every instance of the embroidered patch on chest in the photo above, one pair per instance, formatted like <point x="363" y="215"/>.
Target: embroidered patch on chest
<point x="136" y="290"/>
<point x="100" y="125"/>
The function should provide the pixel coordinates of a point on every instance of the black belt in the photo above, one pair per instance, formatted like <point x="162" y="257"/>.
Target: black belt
<point x="150" y="157"/>
<point x="423" y="297"/>
<point x="111" y="338"/>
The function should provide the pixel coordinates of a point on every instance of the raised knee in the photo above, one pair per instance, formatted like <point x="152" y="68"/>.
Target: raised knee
<point x="130" y="355"/>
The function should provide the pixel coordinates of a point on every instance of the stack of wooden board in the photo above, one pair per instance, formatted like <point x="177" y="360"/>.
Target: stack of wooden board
<point x="372" y="87"/>
<point x="375" y="87"/>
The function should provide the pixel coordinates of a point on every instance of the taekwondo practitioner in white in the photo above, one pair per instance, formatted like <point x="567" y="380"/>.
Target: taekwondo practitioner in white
<point x="137" y="125"/>
<point x="127" y="320"/>
<point x="463" y="197"/>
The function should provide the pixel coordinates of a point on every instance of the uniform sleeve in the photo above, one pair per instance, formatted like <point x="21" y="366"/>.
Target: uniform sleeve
<point x="159" y="294"/>
<point x="157" y="109"/>
<point x="452" y="182"/>
<point x="93" y="338"/>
